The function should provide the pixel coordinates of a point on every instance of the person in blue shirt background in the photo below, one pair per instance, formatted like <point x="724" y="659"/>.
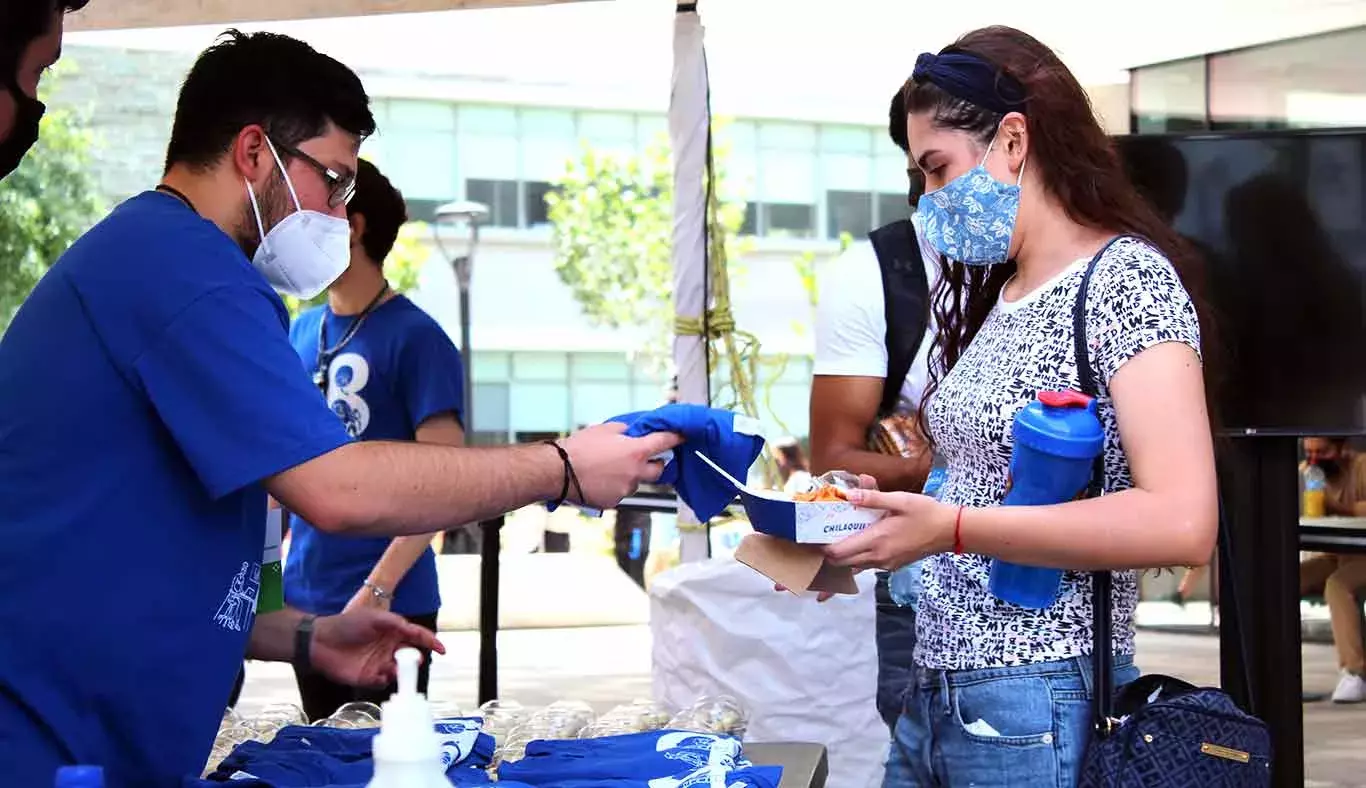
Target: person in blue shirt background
<point x="389" y="372"/>
<point x="150" y="400"/>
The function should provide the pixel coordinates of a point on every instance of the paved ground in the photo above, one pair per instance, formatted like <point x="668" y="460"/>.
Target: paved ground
<point x="609" y="665"/>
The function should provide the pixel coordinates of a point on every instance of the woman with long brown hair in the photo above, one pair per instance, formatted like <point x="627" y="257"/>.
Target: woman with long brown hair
<point x="1023" y="189"/>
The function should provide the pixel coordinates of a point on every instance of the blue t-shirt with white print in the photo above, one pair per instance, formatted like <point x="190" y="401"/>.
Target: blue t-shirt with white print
<point x="147" y="386"/>
<point x="398" y="370"/>
<point x="663" y="759"/>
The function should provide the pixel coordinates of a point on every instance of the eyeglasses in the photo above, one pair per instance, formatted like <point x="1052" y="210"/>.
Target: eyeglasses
<point x="341" y="188"/>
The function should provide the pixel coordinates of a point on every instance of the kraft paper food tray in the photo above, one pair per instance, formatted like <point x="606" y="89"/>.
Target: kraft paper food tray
<point x="805" y="522"/>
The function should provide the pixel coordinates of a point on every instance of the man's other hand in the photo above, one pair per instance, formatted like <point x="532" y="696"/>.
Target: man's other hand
<point x="356" y="648"/>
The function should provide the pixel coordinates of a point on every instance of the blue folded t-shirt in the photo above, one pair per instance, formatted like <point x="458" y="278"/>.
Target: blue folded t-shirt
<point x="634" y="759"/>
<point x="732" y="441"/>
<point x="315" y="757"/>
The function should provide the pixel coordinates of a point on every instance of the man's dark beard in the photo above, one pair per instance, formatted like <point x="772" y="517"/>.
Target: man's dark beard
<point x="1330" y="467"/>
<point x="275" y="204"/>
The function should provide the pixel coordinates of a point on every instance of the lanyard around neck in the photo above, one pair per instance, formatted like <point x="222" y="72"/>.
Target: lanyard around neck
<point x="326" y="354"/>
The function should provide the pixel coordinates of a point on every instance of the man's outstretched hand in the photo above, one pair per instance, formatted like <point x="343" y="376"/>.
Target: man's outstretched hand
<point x="610" y="466"/>
<point x="357" y="647"/>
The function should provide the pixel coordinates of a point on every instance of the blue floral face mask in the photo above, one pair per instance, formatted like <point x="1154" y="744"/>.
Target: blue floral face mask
<point x="971" y="219"/>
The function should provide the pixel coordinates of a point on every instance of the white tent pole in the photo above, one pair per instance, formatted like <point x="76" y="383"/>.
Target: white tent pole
<point x="690" y="136"/>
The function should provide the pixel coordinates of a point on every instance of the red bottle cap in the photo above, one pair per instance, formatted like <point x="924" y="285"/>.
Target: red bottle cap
<point x="1064" y="399"/>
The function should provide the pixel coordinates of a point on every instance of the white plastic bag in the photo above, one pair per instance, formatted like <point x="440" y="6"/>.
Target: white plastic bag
<point x="803" y="671"/>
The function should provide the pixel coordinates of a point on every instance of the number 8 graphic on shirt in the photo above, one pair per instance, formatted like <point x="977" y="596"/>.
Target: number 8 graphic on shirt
<point x="346" y="378"/>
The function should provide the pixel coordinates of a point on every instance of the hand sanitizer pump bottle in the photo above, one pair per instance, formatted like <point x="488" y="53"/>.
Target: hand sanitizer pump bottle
<point x="407" y="749"/>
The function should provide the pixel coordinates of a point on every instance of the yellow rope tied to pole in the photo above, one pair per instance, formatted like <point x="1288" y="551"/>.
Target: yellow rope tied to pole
<point x="723" y="339"/>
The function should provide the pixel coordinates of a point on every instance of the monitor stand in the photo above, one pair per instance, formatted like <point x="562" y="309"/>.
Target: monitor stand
<point x="1260" y="639"/>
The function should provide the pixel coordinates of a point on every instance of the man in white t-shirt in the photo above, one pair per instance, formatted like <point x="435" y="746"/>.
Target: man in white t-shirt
<point x="850" y="401"/>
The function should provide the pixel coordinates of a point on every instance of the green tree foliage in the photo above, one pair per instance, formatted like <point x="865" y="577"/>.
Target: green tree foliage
<point x="45" y="205"/>
<point x="613" y="225"/>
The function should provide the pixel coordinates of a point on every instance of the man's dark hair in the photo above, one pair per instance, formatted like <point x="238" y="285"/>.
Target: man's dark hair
<point x="290" y="89"/>
<point x="383" y="208"/>
<point x="896" y="122"/>
<point x="23" y="21"/>
<point x="896" y="129"/>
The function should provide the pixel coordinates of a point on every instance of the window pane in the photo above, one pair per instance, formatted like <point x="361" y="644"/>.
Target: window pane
<point x="739" y="172"/>
<point x="488" y="157"/>
<point x="428" y="115"/>
<point x="537" y="213"/>
<point x="547" y="124"/>
<point x="889" y="171"/>
<point x="647" y="395"/>
<point x="499" y="196"/>
<point x="540" y="366"/>
<point x="891" y="207"/>
<point x="491" y="366"/>
<point x="845" y="139"/>
<point x="600" y="366"/>
<point x="539" y="407"/>
<point x="847" y="171"/>
<point x="597" y="402"/>
<point x="490" y="407"/>
<point x="488" y="120"/>
<point x="546" y="159"/>
<point x="1169" y="96"/>
<point x="787" y="177"/>
<point x="751" y="224"/>
<point x="549" y="144"/>
<point x="849" y="212"/>
<point x="789" y="220"/>
<point x="1285" y="84"/>
<point x="423" y="210"/>
<point x="650" y="130"/>
<point x="420" y="163"/>
<point x="607" y="127"/>
<point x="796" y="137"/>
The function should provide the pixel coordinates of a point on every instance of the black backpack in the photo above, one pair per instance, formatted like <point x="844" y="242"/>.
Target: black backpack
<point x="906" y="296"/>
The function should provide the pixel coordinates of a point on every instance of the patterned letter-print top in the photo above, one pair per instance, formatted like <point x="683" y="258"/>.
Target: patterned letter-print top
<point x="1135" y="302"/>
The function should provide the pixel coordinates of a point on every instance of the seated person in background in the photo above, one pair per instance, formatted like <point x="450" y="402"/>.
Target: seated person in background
<point x="1341" y="577"/>
<point x="792" y="465"/>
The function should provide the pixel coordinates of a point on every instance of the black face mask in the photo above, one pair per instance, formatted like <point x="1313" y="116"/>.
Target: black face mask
<point x="24" y="133"/>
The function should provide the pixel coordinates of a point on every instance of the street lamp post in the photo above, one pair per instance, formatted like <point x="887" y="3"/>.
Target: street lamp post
<point x="449" y="217"/>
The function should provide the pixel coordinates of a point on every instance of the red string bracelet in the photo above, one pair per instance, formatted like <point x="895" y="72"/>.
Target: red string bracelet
<point x="958" y="532"/>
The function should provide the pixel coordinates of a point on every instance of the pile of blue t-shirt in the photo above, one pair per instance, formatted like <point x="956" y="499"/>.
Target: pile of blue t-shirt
<point x="314" y="757"/>
<point x="658" y="759"/>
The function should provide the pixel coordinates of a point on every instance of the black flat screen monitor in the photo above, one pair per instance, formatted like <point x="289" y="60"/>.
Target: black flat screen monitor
<point x="1280" y="218"/>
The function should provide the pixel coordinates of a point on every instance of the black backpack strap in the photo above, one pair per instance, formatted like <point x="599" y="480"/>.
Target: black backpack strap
<point x="1102" y="657"/>
<point x="906" y="299"/>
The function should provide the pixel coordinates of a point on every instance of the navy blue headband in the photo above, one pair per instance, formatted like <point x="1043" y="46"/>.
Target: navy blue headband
<point x="966" y="76"/>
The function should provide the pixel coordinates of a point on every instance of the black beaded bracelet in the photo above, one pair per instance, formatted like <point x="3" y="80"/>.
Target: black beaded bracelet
<point x="569" y="476"/>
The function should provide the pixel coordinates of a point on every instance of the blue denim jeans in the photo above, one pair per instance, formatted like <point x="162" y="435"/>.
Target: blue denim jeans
<point x="1008" y="726"/>
<point x="895" y="653"/>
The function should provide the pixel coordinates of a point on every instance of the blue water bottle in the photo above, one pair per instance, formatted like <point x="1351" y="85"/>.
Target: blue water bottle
<point x="904" y="584"/>
<point x="1057" y="438"/>
<point x="79" y="777"/>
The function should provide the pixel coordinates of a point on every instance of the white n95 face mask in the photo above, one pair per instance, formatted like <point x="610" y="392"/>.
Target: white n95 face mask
<point x="306" y="251"/>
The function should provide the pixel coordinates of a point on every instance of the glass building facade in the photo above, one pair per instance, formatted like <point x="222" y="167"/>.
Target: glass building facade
<point x="1313" y="82"/>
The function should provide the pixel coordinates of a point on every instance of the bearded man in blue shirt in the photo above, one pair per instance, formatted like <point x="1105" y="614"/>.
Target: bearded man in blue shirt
<point x="150" y="400"/>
